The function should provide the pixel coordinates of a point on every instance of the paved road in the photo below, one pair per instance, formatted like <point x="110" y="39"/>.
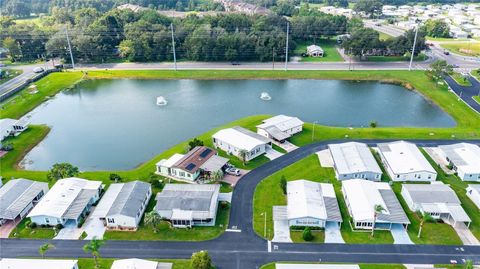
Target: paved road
<point x="384" y="28"/>
<point x="26" y="75"/>
<point x="245" y="249"/>
<point x="466" y="92"/>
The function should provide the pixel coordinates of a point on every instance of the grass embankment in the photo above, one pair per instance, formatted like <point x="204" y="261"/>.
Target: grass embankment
<point x="22" y="231"/>
<point x="269" y="193"/>
<point x="362" y="265"/>
<point x="330" y="51"/>
<point x="419" y="57"/>
<point x="477" y="98"/>
<point x="11" y="74"/>
<point x="463" y="48"/>
<point x="461" y="79"/>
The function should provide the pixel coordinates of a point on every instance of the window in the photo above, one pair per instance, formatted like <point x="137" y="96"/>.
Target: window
<point x="47" y="220"/>
<point x="182" y="174"/>
<point x="111" y="220"/>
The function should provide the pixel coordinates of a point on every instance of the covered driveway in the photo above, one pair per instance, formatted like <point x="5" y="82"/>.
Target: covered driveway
<point x="281" y="230"/>
<point x="272" y="154"/>
<point x="332" y="233"/>
<point x="400" y="235"/>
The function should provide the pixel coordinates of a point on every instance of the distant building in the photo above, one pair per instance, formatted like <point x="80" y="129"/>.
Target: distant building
<point x="436" y="199"/>
<point x="361" y="197"/>
<point x="38" y="264"/>
<point x="200" y="161"/>
<point x="123" y="204"/>
<point x="140" y="264"/>
<point x="18" y="197"/>
<point x="354" y="160"/>
<point x="187" y="205"/>
<point x="280" y="127"/>
<point x="242" y="7"/>
<point x="134" y="8"/>
<point x="9" y="127"/>
<point x="314" y="51"/>
<point x="237" y="139"/>
<point x="473" y="192"/>
<point x="464" y="158"/>
<point x="69" y="200"/>
<point x="404" y="162"/>
<point x="311" y="204"/>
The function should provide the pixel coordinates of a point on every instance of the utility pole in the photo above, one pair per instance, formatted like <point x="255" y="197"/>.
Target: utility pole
<point x="69" y="47"/>
<point x="413" y="49"/>
<point x="273" y="58"/>
<point x="313" y="133"/>
<point x="286" y="48"/>
<point x="173" y="48"/>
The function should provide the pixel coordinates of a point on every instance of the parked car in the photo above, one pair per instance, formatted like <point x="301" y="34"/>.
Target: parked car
<point x="232" y="171"/>
<point x="58" y="66"/>
<point x="446" y="52"/>
<point x="38" y="70"/>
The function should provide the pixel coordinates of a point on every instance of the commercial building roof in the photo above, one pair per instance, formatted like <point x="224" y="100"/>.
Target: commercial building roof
<point x="315" y="266"/>
<point x="140" y="264"/>
<point x="67" y="198"/>
<point x="465" y="156"/>
<point x="309" y="199"/>
<point x="17" y="194"/>
<point x="364" y="195"/>
<point x="353" y="157"/>
<point x="195" y="158"/>
<point x="241" y="138"/>
<point x="123" y="199"/>
<point x="37" y="264"/>
<point x="200" y="199"/>
<point x="404" y="157"/>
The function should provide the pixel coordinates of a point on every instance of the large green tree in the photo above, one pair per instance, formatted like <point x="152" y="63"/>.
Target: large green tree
<point x="201" y="260"/>
<point x="371" y="8"/>
<point x="62" y="170"/>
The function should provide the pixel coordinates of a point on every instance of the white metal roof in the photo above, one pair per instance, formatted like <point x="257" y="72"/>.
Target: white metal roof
<point x="465" y="156"/>
<point x="37" y="264"/>
<point x="123" y="199"/>
<point x="404" y="157"/>
<point x="57" y="202"/>
<point x="282" y="122"/>
<point x="353" y="157"/>
<point x="17" y="194"/>
<point x="363" y="195"/>
<point x="240" y="138"/>
<point x="313" y="48"/>
<point x="170" y="161"/>
<point x="139" y="264"/>
<point x="315" y="266"/>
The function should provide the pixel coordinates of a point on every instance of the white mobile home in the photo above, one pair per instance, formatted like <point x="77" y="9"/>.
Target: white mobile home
<point x="280" y="127"/>
<point x="69" y="200"/>
<point x="123" y="204"/>
<point x="354" y="160"/>
<point x="9" y="127"/>
<point x="18" y="197"/>
<point x="464" y="158"/>
<point x="200" y="161"/>
<point x="186" y="205"/>
<point x="404" y="162"/>
<point x="361" y="197"/>
<point x="473" y="192"/>
<point x="315" y="51"/>
<point x="140" y="264"/>
<point x="311" y="204"/>
<point x="237" y="139"/>
<point x="436" y="199"/>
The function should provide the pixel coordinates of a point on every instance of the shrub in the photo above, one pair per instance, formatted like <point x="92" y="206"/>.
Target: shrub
<point x="80" y="222"/>
<point x="224" y="205"/>
<point x="115" y="177"/>
<point x="32" y="225"/>
<point x="201" y="260"/>
<point x="373" y="124"/>
<point x="59" y="226"/>
<point x="283" y="184"/>
<point x="307" y="234"/>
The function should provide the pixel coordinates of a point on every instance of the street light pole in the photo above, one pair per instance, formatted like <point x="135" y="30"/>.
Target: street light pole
<point x="286" y="48"/>
<point x="313" y="133"/>
<point x="173" y="48"/>
<point x="69" y="47"/>
<point x="413" y="49"/>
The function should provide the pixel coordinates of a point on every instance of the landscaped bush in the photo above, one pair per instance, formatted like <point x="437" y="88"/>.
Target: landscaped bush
<point x="224" y="205"/>
<point x="307" y="234"/>
<point x="80" y="223"/>
<point x="59" y="226"/>
<point x="31" y="225"/>
<point x="301" y="228"/>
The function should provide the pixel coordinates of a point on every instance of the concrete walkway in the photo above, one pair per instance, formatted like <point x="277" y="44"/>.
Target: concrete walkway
<point x="333" y="234"/>
<point x="272" y="154"/>
<point x="325" y="158"/>
<point x="281" y="230"/>
<point x="287" y="146"/>
<point x="93" y="226"/>
<point x="434" y="153"/>
<point x="69" y="232"/>
<point x="7" y="228"/>
<point x="225" y="197"/>
<point x="400" y="235"/>
<point x="419" y="266"/>
<point x="466" y="235"/>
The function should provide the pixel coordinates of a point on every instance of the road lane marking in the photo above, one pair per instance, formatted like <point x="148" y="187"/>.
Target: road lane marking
<point x="269" y="246"/>
<point x="233" y="230"/>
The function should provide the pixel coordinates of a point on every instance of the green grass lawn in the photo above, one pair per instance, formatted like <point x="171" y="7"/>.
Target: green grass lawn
<point x="362" y="265"/>
<point x="330" y="52"/>
<point x="477" y="98"/>
<point x="460" y="79"/>
<point x="318" y="236"/>
<point x="11" y="74"/>
<point x="384" y="36"/>
<point x="463" y="48"/>
<point x="22" y="231"/>
<point x="85" y="263"/>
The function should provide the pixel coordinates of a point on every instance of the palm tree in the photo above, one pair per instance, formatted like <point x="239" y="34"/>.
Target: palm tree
<point x="426" y="217"/>
<point x="217" y="175"/>
<point x="94" y="247"/>
<point x="377" y="209"/>
<point x="243" y="154"/>
<point x="152" y="218"/>
<point x="44" y="248"/>
<point x="468" y="264"/>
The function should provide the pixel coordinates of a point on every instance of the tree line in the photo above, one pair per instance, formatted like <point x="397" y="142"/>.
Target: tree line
<point x="147" y="35"/>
